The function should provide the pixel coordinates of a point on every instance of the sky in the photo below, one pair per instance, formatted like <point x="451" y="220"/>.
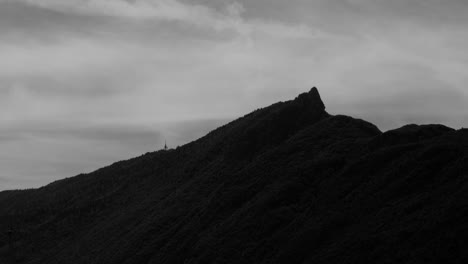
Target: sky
<point x="84" y="83"/>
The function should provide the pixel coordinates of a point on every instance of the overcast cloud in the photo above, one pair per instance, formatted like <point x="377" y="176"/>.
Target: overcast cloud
<point x="84" y="83"/>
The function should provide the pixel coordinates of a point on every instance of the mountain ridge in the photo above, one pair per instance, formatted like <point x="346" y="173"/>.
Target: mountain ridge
<point x="288" y="183"/>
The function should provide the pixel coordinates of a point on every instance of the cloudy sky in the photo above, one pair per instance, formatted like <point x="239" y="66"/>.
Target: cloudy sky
<point x="84" y="83"/>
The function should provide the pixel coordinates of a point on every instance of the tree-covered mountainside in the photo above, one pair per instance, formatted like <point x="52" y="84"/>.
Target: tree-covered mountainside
<point x="288" y="183"/>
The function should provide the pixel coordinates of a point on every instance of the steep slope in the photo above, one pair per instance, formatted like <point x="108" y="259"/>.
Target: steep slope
<point x="285" y="184"/>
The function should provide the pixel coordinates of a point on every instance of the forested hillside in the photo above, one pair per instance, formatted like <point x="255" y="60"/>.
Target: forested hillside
<point x="288" y="183"/>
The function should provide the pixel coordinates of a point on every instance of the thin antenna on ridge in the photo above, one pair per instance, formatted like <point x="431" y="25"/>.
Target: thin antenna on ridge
<point x="165" y="144"/>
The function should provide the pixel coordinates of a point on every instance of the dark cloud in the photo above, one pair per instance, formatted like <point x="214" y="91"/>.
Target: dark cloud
<point x="28" y="23"/>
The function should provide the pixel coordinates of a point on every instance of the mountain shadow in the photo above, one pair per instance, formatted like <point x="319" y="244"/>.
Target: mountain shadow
<point x="288" y="183"/>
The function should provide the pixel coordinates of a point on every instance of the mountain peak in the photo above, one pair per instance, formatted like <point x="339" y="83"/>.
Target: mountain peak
<point x="311" y="98"/>
<point x="288" y="183"/>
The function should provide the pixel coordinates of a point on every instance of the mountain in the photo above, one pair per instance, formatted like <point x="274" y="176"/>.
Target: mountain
<point x="288" y="183"/>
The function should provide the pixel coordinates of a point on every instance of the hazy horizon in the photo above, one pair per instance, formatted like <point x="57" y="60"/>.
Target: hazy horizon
<point x="84" y="83"/>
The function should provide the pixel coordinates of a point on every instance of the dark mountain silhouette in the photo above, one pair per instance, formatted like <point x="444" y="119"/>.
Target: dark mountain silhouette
<point x="288" y="183"/>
